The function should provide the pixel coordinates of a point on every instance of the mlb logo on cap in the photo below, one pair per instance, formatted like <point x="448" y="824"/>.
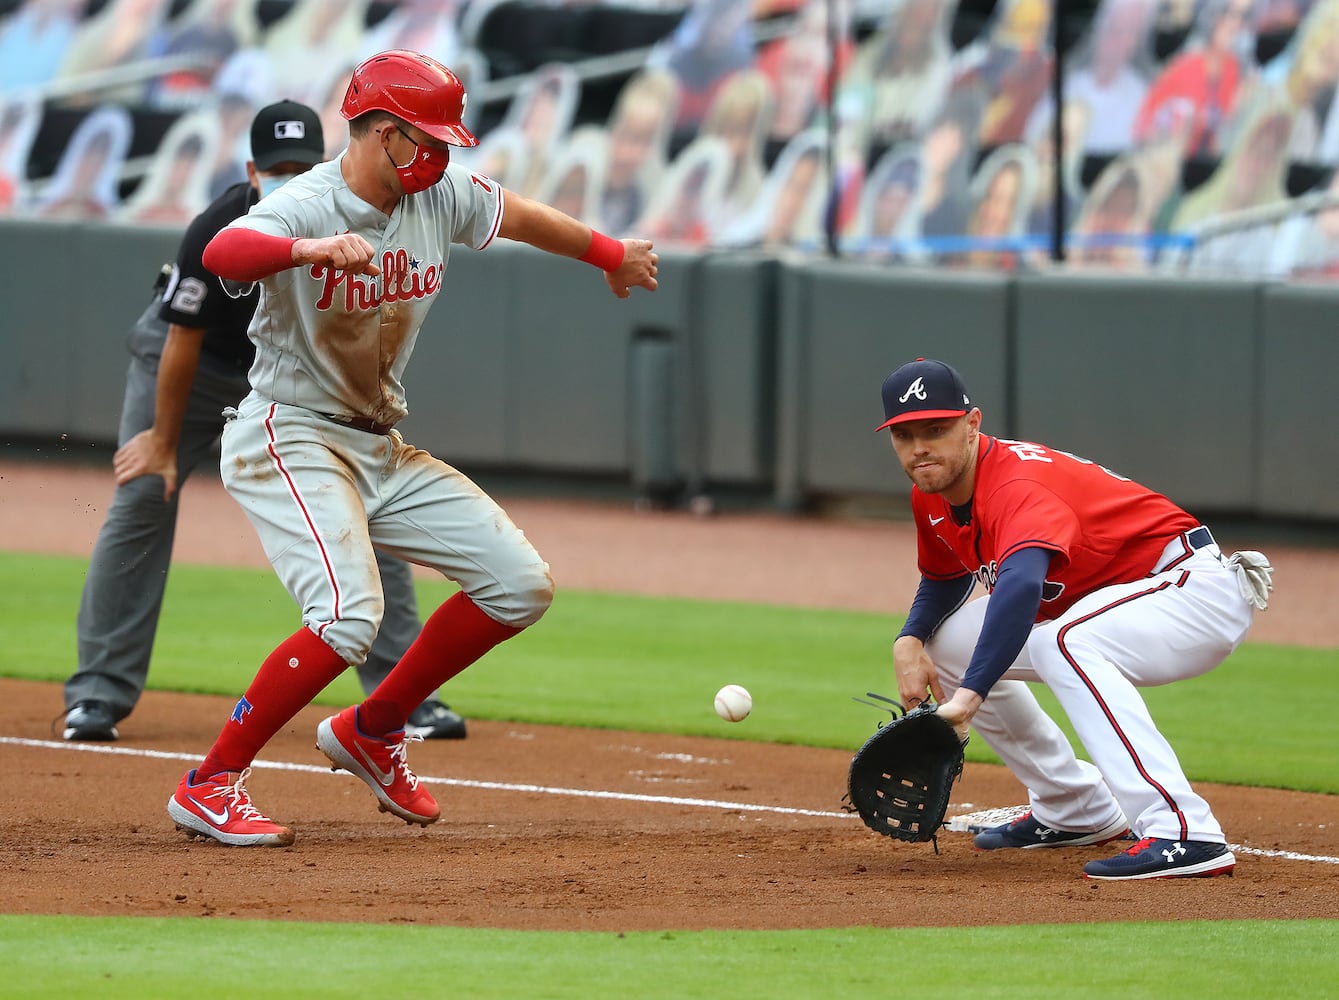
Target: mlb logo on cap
<point x="286" y="132"/>
<point x="923" y="390"/>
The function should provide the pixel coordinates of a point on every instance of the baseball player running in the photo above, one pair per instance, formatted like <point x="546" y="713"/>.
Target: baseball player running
<point x="350" y="256"/>
<point x="189" y="357"/>
<point x="1095" y="586"/>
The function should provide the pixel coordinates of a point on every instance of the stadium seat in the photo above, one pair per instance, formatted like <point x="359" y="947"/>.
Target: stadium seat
<point x="518" y="36"/>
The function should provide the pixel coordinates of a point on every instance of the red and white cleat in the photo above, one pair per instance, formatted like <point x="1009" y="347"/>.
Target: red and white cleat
<point x="381" y="763"/>
<point x="220" y="807"/>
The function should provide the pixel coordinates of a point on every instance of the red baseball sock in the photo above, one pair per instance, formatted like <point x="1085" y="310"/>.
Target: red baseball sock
<point x="453" y="637"/>
<point x="287" y="681"/>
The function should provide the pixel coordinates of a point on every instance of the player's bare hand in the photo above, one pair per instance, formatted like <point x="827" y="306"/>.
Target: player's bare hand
<point x="916" y="673"/>
<point x="146" y="454"/>
<point x="640" y="266"/>
<point x="345" y="252"/>
<point x="959" y="711"/>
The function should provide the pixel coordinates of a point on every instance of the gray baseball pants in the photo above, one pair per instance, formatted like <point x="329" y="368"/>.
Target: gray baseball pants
<point x="127" y="573"/>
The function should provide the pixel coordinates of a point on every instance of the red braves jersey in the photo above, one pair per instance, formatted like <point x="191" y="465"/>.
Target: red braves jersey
<point x="1103" y="528"/>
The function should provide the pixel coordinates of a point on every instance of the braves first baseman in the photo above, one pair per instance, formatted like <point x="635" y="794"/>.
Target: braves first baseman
<point x="350" y="256"/>
<point x="1096" y="586"/>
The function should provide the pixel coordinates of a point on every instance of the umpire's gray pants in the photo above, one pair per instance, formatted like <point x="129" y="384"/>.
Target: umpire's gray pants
<point x="127" y="573"/>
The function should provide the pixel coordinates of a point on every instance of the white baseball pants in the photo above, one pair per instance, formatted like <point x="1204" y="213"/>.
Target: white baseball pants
<point x="1167" y="627"/>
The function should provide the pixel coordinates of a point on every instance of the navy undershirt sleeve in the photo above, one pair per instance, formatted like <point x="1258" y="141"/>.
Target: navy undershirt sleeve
<point x="935" y="601"/>
<point x="1009" y="618"/>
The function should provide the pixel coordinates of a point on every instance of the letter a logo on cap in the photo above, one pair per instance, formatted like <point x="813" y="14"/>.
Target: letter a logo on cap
<point x="915" y="389"/>
<point x="290" y="130"/>
<point x="923" y="390"/>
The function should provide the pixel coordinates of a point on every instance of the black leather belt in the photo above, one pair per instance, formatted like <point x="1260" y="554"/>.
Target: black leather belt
<point x="360" y="423"/>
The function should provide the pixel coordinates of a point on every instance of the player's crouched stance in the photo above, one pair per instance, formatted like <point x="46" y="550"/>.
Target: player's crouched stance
<point x="1097" y="586"/>
<point x="349" y="258"/>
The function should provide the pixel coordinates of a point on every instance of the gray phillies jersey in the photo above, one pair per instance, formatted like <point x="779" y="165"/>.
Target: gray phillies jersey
<point x="336" y="342"/>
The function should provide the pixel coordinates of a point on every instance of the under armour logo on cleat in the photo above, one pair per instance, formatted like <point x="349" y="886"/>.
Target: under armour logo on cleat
<point x="1043" y="832"/>
<point x="1172" y="852"/>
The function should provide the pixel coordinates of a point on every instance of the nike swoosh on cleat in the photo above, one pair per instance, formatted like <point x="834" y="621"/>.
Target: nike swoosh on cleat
<point x="217" y="818"/>
<point x="387" y="778"/>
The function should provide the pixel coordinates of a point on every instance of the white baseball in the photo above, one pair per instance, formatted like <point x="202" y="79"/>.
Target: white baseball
<point x="733" y="703"/>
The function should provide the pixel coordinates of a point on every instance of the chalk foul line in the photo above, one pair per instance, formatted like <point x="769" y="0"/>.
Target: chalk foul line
<point x="495" y="786"/>
<point x="966" y="822"/>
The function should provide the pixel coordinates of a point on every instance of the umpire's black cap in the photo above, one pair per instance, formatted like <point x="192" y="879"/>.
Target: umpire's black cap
<point x="923" y="390"/>
<point x="286" y="132"/>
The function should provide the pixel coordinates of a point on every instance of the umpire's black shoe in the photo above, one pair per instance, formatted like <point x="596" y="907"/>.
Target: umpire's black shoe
<point x="434" y="720"/>
<point x="90" y="720"/>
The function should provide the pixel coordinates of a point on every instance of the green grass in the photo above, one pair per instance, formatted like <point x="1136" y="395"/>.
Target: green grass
<point x="653" y="664"/>
<point x="643" y="663"/>
<point x="151" y="957"/>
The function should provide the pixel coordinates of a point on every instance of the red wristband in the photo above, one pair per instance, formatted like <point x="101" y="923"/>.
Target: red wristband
<point x="604" y="252"/>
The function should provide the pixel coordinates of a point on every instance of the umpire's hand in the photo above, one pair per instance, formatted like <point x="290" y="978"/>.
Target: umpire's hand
<point x="147" y="454"/>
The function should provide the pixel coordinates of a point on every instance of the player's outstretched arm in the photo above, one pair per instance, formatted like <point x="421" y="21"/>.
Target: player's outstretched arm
<point x="345" y="252"/>
<point x="246" y="255"/>
<point x="627" y="264"/>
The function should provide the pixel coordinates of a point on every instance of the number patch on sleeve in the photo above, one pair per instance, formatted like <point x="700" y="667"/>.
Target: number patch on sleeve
<point x="189" y="295"/>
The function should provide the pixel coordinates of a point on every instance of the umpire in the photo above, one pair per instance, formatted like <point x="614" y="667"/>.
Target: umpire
<point x="189" y="359"/>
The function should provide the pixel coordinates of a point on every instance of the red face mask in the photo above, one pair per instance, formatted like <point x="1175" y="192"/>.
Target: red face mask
<point x="424" y="169"/>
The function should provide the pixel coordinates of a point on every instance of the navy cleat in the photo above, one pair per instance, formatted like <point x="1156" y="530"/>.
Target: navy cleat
<point x="1156" y="858"/>
<point x="1026" y="832"/>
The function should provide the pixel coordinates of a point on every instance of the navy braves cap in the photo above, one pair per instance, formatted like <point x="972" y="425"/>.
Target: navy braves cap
<point x="286" y="132"/>
<point x="923" y="390"/>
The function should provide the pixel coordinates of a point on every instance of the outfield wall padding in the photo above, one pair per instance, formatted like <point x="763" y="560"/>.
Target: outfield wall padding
<point x="764" y="370"/>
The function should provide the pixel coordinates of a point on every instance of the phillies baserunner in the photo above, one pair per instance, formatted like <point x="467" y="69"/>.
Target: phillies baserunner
<point x="1096" y="586"/>
<point x="190" y="355"/>
<point x="350" y="256"/>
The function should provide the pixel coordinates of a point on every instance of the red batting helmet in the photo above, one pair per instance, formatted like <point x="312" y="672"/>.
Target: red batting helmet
<point x="412" y="87"/>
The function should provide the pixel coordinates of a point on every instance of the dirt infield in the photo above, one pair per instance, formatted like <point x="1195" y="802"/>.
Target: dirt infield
<point x="554" y="828"/>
